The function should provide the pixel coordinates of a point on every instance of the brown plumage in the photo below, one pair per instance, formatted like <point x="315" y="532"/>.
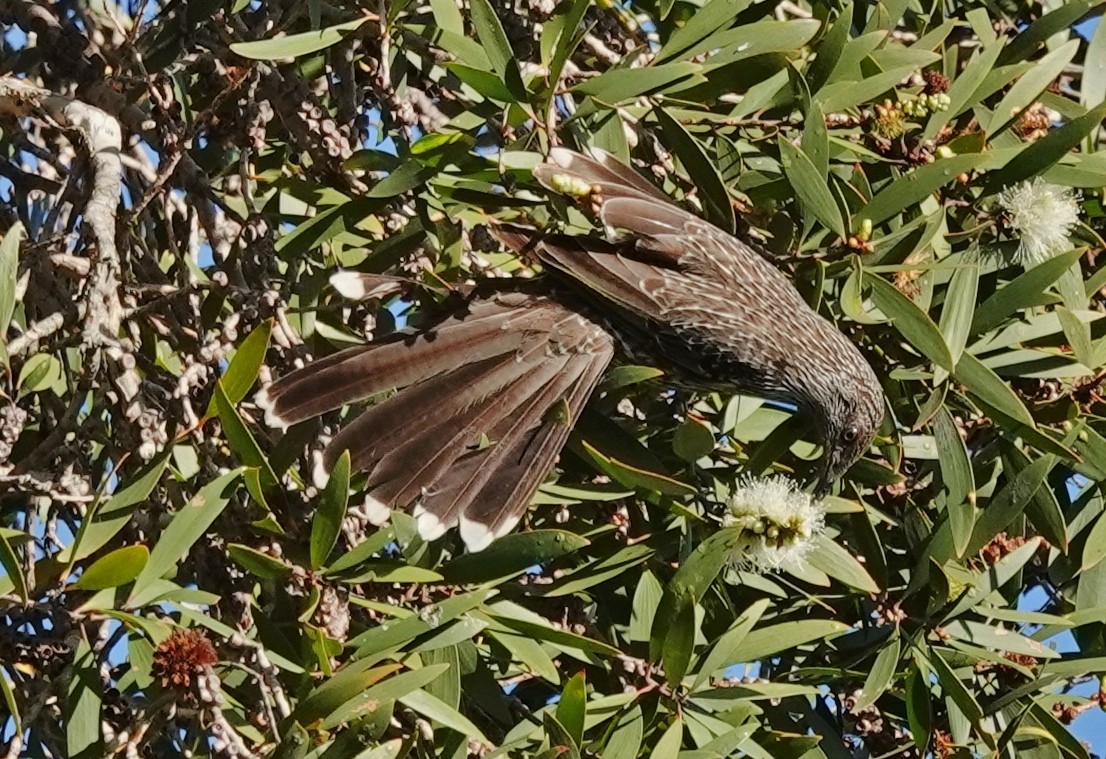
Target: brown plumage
<point x="486" y="397"/>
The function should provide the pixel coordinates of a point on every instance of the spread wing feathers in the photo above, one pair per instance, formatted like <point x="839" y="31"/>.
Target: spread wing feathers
<point x="485" y="401"/>
<point x="592" y="262"/>
<point x="359" y="373"/>
<point x="663" y="234"/>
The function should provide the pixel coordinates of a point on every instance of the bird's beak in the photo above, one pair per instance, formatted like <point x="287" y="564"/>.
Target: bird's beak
<point x="823" y="485"/>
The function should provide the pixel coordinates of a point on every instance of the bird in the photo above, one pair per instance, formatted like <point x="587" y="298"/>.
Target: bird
<point x="482" y="401"/>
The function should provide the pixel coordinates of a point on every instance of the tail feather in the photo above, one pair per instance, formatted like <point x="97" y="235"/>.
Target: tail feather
<point x="498" y="372"/>
<point x="358" y="373"/>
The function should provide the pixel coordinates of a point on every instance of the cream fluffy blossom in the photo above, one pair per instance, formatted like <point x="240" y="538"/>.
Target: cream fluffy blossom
<point x="778" y="521"/>
<point x="1043" y="215"/>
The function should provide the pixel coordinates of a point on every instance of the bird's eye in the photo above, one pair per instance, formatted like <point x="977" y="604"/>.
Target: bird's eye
<point x="850" y="434"/>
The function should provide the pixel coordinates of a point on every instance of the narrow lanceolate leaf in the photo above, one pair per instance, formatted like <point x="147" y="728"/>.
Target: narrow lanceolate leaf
<point x="913" y="323"/>
<point x="115" y="569"/>
<point x="712" y="192"/>
<point x="881" y="674"/>
<point x="997" y="638"/>
<point x="294" y="45"/>
<point x="841" y="565"/>
<point x="1045" y="152"/>
<point x="512" y="554"/>
<point x="1022" y="291"/>
<point x="9" y="262"/>
<point x="13" y="568"/>
<point x="498" y="48"/>
<point x="572" y="708"/>
<point x="811" y="187"/>
<point x="956" y="468"/>
<point x="185" y="528"/>
<point x="244" y="366"/>
<point x="917" y="185"/>
<point x="721" y="655"/>
<point x="1010" y="502"/>
<point x="332" y="509"/>
<point x="954" y="688"/>
<point x="771" y="640"/>
<point x="241" y="440"/>
<point x="959" y="307"/>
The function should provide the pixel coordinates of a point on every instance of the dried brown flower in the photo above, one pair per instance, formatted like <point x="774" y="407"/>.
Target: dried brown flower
<point x="936" y="82"/>
<point x="181" y="657"/>
<point x="999" y="546"/>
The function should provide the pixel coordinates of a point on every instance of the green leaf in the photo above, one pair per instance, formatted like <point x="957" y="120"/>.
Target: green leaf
<point x="810" y="187"/>
<point x="1009" y="502"/>
<point x="633" y="477"/>
<point x="1033" y="36"/>
<point x="82" y="708"/>
<point x="363" y="551"/>
<point x="713" y="16"/>
<point x="956" y="471"/>
<point x="567" y="31"/>
<point x="625" y="739"/>
<point x="692" y="440"/>
<point x="954" y="688"/>
<point x="295" y="45"/>
<point x="257" y="563"/>
<point x="623" y="376"/>
<point x="9" y="276"/>
<point x="244" y="366"/>
<point x="42" y="371"/>
<point x="572" y="709"/>
<point x="913" y="323"/>
<point x="917" y="185"/>
<point x="512" y="554"/>
<point x="13" y="568"/>
<point x="1094" y="550"/>
<point x="959" y="307"/>
<point x="115" y="569"/>
<point x="701" y="169"/>
<point x="762" y="643"/>
<point x="840" y="96"/>
<point x="839" y="564"/>
<point x="105" y="519"/>
<point x="439" y="711"/>
<point x="688" y="586"/>
<point x="492" y="37"/>
<point x="997" y="638"/>
<point x="1025" y="290"/>
<point x="241" y="440"/>
<point x="679" y="637"/>
<point x="345" y="685"/>
<point x="393" y="689"/>
<point x="721" y="655"/>
<point x="616" y="85"/>
<point x="332" y="510"/>
<point x="983" y="383"/>
<point x="185" y="528"/>
<point x="880" y="676"/>
<point x="669" y="744"/>
<point x="325" y="226"/>
<point x="1035" y="81"/>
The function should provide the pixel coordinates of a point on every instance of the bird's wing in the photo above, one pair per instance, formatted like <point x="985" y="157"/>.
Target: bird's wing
<point x="661" y="238"/>
<point x="485" y="402"/>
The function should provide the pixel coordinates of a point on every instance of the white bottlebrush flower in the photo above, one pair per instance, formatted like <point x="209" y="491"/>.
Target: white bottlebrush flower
<point x="1043" y="215"/>
<point x="778" y="523"/>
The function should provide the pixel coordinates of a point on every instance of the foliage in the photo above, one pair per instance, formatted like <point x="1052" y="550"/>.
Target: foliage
<point x="172" y="582"/>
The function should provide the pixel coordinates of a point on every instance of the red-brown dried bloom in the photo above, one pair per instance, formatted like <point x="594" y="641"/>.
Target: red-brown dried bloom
<point x="936" y="82"/>
<point x="180" y="658"/>
<point x="999" y="546"/>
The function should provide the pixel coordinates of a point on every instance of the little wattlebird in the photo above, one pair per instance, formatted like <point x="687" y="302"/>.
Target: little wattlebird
<point x="486" y="397"/>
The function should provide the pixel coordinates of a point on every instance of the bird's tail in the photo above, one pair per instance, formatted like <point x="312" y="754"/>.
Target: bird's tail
<point x="483" y="404"/>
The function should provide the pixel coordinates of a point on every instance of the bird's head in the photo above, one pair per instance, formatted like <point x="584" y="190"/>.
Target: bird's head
<point x="848" y="423"/>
